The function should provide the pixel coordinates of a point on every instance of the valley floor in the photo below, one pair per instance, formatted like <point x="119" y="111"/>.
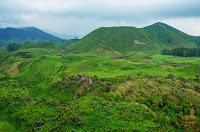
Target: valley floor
<point x="52" y="90"/>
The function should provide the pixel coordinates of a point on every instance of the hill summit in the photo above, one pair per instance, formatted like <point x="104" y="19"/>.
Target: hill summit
<point x="123" y="39"/>
<point x="27" y="34"/>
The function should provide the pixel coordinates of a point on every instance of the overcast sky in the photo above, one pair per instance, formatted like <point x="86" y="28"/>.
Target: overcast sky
<point x="83" y="16"/>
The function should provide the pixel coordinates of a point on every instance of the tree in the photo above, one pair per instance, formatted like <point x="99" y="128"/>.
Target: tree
<point x="184" y="53"/>
<point x="10" y="47"/>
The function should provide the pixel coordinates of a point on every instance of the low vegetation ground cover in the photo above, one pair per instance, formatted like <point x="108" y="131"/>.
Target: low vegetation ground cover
<point x="42" y="89"/>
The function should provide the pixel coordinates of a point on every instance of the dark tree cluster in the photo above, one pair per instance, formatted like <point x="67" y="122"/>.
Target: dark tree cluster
<point x="185" y="52"/>
<point x="11" y="47"/>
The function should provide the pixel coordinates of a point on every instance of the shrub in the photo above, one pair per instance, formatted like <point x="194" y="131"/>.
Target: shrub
<point x="112" y="96"/>
<point x="148" y="104"/>
<point x="197" y="112"/>
<point x="113" y="80"/>
<point x="196" y="104"/>
<point x="157" y="102"/>
<point x="171" y="106"/>
<point x="6" y="127"/>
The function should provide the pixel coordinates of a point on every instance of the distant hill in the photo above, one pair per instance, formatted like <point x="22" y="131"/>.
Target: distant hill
<point x="123" y="39"/>
<point x="27" y="34"/>
<point x="64" y="36"/>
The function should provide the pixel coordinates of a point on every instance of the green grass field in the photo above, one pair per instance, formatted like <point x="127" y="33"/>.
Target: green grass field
<point x="46" y="88"/>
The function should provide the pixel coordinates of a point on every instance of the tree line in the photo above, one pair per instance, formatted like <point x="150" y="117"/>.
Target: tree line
<point x="185" y="52"/>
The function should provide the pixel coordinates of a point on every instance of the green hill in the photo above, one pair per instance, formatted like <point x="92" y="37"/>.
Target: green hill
<point x="66" y="43"/>
<point x="27" y="34"/>
<point x="124" y="39"/>
<point x="44" y="45"/>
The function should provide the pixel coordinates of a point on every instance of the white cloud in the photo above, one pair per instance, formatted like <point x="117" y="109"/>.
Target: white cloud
<point x="188" y="25"/>
<point x="82" y="16"/>
<point x="48" y="5"/>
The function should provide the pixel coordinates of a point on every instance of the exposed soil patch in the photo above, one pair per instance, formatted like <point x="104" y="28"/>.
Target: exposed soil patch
<point x="122" y="57"/>
<point x="61" y="55"/>
<point x="148" y="58"/>
<point x="138" y="42"/>
<point x="139" y="62"/>
<point x="174" y="64"/>
<point x="133" y="61"/>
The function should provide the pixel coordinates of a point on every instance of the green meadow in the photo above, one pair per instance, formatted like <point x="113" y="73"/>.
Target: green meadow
<point x="50" y="89"/>
<point x="114" y="79"/>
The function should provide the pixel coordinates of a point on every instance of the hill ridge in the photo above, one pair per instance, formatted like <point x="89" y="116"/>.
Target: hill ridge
<point x="25" y="34"/>
<point x="122" y="39"/>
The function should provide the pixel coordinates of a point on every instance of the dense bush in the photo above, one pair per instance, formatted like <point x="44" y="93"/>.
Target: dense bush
<point x="185" y="52"/>
<point x="197" y="112"/>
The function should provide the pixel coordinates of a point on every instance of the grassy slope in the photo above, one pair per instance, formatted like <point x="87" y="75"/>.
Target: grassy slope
<point x="3" y="50"/>
<point x="169" y="36"/>
<point x="130" y="94"/>
<point x="124" y="39"/>
<point x="43" y="45"/>
<point x="40" y="69"/>
<point x="13" y="63"/>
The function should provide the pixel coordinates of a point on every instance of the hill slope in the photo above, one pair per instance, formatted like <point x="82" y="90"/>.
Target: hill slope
<point x="66" y="43"/>
<point x="123" y="39"/>
<point x="28" y="34"/>
<point x="44" y="45"/>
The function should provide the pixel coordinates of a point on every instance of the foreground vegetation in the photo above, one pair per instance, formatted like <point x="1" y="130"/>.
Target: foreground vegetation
<point x="45" y="88"/>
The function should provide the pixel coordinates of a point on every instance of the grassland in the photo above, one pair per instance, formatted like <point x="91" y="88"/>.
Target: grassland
<point x="46" y="88"/>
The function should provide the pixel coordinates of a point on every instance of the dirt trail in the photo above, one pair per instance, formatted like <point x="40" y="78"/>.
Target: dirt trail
<point x="173" y="64"/>
<point x="122" y="57"/>
<point x="61" y="55"/>
<point x="148" y="58"/>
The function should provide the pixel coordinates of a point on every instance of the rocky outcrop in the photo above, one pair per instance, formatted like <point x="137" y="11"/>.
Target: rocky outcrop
<point x="84" y="84"/>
